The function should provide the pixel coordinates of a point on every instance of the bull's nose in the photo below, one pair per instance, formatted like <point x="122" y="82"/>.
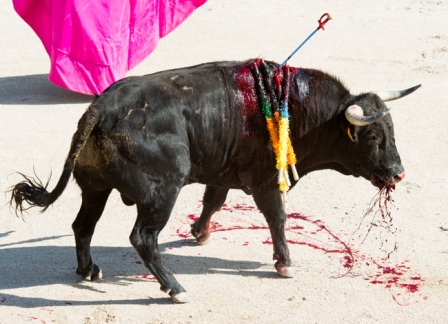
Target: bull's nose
<point x="399" y="177"/>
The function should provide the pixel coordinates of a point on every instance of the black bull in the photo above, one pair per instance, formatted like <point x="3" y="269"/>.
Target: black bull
<point x="149" y="136"/>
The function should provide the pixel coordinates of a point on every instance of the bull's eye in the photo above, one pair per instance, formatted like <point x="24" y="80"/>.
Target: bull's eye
<point x="373" y="139"/>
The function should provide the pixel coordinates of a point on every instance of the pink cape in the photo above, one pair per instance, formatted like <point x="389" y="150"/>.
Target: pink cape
<point x="93" y="43"/>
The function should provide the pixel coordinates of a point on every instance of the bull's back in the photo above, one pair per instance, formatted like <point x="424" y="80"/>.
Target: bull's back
<point x="185" y="118"/>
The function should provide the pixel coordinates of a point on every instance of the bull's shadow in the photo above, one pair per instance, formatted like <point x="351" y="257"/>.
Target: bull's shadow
<point x="36" y="90"/>
<point x="23" y="267"/>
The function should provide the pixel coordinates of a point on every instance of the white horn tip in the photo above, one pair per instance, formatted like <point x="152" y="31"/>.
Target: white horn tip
<point x="393" y="95"/>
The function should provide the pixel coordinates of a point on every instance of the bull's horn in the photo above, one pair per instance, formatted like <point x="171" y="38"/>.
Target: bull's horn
<point x="392" y="95"/>
<point x="355" y="116"/>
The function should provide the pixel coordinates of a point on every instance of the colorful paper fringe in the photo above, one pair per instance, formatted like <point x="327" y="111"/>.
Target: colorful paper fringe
<point x="278" y="127"/>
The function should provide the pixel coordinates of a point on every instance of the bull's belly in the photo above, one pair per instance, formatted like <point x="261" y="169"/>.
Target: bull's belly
<point x="226" y="174"/>
<point x="101" y="161"/>
<point x="223" y="178"/>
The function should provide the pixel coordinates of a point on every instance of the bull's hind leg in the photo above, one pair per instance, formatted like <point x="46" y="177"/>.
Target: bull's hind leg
<point x="151" y="219"/>
<point x="92" y="207"/>
<point x="270" y="204"/>
<point x="214" y="198"/>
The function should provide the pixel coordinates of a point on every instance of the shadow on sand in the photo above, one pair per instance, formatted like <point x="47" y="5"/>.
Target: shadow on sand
<point x="36" y="90"/>
<point x="41" y="266"/>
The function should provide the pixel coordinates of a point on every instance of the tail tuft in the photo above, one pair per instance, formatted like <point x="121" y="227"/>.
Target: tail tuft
<point x="31" y="191"/>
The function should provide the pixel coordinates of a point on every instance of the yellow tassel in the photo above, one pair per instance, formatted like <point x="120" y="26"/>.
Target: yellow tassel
<point x="283" y="143"/>
<point x="292" y="159"/>
<point x="284" y="187"/>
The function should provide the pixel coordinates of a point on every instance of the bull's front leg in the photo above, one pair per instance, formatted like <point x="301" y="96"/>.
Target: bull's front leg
<point x="214" y="198"/>
<point x="270" y="203"/>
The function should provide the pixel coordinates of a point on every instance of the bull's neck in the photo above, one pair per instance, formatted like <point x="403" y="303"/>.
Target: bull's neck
<point x="316" y="103"/>
<point x="321" y="148"/>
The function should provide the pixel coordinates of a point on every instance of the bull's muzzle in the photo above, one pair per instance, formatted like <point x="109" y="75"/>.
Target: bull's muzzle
<point x="399" y="177"/>
<point x="394" y="176"/>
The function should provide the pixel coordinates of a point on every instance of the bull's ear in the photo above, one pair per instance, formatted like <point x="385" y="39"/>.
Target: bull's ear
<point x="352" y="133"/>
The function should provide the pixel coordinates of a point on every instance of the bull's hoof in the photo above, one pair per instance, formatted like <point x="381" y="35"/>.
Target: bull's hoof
<point x="94" y="274"/>
<point x="200" y="235"/>
<point x="181" y="298"/>
<point x="285" y="271"/>
<point x="203" y="239"/>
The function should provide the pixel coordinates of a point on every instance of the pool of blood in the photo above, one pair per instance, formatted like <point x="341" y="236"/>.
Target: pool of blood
<point x="398" y="278"/>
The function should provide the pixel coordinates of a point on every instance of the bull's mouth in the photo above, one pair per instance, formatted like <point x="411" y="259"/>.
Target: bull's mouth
<point x="379" y="183"/>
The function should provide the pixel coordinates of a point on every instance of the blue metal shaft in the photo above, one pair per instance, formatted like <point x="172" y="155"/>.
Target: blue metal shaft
<point x="299" y="47"/>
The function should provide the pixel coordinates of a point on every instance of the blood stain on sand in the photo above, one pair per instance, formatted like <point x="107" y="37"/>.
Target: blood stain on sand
<point x="146" y="276"/>
<point x="403" y="284"/>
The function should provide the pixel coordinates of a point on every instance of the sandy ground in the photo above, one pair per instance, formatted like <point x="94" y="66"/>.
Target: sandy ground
<point x="341" y="277"/>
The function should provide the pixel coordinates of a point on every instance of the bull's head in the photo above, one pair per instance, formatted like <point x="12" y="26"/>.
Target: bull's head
<point x="370" y="129"/>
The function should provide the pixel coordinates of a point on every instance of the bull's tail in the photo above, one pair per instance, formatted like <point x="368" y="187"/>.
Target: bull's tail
<point x="33" y="192"/>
